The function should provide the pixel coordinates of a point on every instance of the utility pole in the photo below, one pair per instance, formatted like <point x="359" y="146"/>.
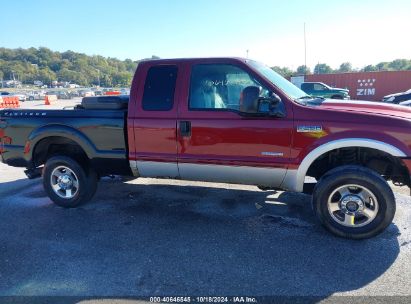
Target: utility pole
<point x="305" y="51"/>
<point x="98" y="76"/>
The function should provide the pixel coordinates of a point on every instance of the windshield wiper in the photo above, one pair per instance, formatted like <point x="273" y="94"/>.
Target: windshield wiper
<point x="305" y="97"/>
<point x="310" y="97"/>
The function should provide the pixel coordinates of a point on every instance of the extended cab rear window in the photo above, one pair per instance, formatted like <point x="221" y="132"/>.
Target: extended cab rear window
<point x="159" y="88"/>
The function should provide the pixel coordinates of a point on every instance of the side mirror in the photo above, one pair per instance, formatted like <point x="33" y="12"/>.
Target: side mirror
<point x="271" y="106"/>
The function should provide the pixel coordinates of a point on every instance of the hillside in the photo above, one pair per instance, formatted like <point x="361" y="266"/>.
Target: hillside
<point x="28" y="65"/>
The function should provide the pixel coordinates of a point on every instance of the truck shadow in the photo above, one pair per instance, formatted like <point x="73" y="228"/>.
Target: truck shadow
<point x="146" y="240"/>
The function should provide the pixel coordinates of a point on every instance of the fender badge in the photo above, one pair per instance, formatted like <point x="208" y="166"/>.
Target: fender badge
<point x="277" y="154"/>
<point x="309" y="129"/>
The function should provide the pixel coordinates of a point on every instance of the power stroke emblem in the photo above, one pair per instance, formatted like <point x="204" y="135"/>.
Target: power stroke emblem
<point x="309" y="129"/>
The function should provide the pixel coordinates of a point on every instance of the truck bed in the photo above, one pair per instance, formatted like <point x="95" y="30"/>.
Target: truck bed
<point x="101" y="133"/>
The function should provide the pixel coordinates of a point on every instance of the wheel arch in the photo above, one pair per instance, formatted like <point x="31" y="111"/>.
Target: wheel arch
<point x="294" y="179"/>
<point x="64" y="134"/>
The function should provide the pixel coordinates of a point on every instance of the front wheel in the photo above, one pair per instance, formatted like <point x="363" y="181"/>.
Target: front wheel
<point x="354" y="202"/>
<point x="67" y="183"/>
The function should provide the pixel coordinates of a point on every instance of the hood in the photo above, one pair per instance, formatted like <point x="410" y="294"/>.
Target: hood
<point x="340" y="89"/>
<point x="394" y="95"/>
<point x="368" y="107"/>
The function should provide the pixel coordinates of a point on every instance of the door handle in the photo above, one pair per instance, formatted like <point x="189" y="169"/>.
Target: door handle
<point x="185" y="128"/>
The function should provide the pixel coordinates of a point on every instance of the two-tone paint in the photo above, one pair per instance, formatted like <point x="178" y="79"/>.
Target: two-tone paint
<point x="223" y="146"/>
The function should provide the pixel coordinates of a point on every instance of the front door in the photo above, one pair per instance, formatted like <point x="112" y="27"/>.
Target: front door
<point x="216" y="142"/>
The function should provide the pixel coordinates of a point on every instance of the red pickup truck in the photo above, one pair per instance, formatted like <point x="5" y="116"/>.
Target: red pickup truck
<point x="225" y="120"/>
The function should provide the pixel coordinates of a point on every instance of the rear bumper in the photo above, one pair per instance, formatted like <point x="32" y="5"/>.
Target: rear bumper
<point x="13" y="155"/>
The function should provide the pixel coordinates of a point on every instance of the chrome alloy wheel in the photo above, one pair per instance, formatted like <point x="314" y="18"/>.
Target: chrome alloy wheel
<point x="352" y="205"/>
<point x="64" y="182"/>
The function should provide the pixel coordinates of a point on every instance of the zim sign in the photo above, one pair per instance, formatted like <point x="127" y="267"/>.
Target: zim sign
<point x="366" y="87"/>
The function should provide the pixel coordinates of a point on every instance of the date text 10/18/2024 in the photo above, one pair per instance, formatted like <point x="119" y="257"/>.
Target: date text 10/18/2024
<point x="203" y="300"/>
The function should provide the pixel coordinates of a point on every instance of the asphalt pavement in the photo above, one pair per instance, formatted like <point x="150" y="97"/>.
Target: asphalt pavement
<point x="151" y="237"/>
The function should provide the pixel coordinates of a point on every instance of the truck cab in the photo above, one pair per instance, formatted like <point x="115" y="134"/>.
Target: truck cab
<point x="320" y="89"/>
<point x="208" y="119"/>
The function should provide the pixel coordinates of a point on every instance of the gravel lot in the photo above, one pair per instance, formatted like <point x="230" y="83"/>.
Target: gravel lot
<point x="150" y="237"/>
<point x="60" y="104"/>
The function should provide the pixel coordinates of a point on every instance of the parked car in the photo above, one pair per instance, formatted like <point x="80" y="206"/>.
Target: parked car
<point x="22" y="97"/>
<point x="224" y="120"/>
<point x="320" y="89"/>
<point x="406" y="103"/>
<point x="86" y="93"/>
<point x="74" y="94"/>
<point x="60" y="94"/>
<point x="35" y="95"/>
<point x="124" y="91"/>
<point x="397" y="97"/>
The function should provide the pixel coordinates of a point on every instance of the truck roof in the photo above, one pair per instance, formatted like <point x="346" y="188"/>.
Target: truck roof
<point x="194" y="59"/>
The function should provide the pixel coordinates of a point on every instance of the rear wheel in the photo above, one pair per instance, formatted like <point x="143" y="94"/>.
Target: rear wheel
<point x="67" y="183"/>
<point x="354" y="202"/>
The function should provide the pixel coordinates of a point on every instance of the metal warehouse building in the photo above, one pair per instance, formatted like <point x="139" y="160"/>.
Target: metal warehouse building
<point x="364" y="85"/>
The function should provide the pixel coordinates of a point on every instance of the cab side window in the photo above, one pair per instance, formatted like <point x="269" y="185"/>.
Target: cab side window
<point x="222" y="87"/>
<point x="307" y="86"/>
<point x="318" y="87"/>
<point x="159" y="88"/>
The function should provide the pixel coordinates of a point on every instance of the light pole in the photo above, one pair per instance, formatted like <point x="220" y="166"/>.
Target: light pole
<point x="98" y="76"/>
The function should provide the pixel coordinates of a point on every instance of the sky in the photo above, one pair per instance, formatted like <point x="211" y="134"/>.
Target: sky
<point x="361" y="32"/>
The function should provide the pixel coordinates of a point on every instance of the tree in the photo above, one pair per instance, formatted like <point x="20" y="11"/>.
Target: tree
<point x="399" y="64"/>
<point x="303" y="70"/>
<point x="322" y="68"/>
<point x="345" y="67"/>
<point x="46" y="75"/>
<point x="382" y="66"/>
<point x="45" y="65"/>
<point x="284" y="71"/>
<point x="369" y="68"/>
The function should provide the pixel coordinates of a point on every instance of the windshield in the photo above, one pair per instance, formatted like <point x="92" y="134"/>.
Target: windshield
<point x="283" y="84"/>
<point x="326" y="86"/>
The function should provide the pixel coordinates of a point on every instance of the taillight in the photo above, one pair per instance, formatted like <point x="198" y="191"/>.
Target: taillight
<point x="4" y="141"/>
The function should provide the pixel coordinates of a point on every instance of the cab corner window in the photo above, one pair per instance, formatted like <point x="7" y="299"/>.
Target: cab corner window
<point x="222" y="87"/>
<point x="159" y="88"/>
